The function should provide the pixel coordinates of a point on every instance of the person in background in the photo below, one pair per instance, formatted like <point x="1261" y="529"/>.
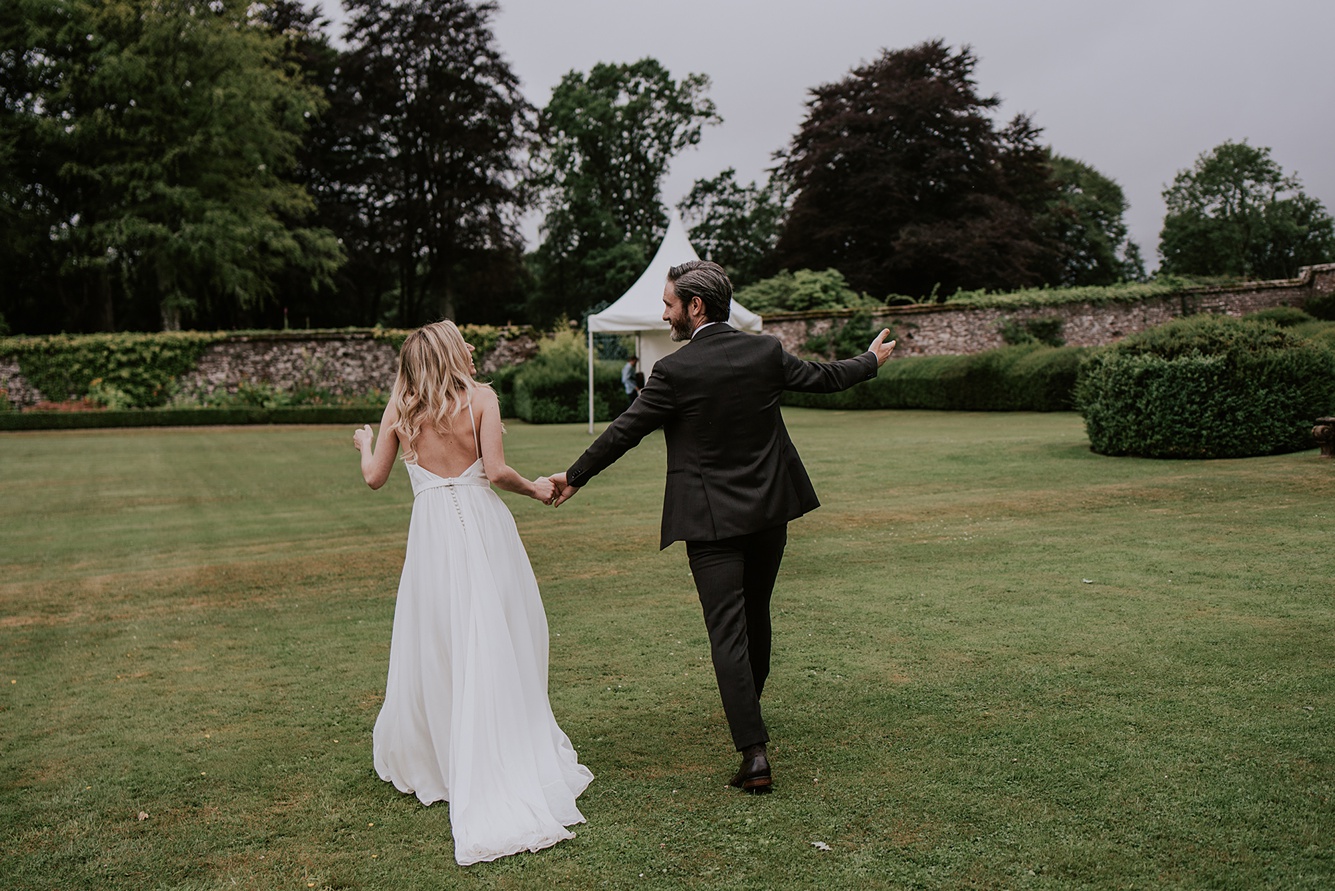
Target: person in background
<point x="631" y="379"/>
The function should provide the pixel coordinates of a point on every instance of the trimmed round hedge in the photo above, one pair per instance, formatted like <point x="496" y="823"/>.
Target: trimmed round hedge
<point x="1206" y="387"/>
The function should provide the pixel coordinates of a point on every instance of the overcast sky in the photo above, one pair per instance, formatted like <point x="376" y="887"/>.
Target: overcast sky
<point x="1135" y="88"/>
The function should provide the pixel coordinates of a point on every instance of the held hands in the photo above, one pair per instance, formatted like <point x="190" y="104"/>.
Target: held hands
<point x="543" y="490"/>
<point x="564" y="491"/>
<point x="881" y="348"/>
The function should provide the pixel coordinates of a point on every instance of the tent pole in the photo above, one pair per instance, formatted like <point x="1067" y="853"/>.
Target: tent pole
<point x="590" y="380"/>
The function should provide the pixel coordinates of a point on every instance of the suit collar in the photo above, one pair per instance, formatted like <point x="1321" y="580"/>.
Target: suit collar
<point x="715" y="328"/>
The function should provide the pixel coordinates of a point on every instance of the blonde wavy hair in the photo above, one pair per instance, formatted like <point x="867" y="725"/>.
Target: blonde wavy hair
<point x="433" y="384"/>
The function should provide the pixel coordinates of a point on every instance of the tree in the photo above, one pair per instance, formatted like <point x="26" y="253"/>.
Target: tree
<point x="902" y="181"/>
<point x="1086" y="219"/>
<point x="150" y="139"/>
<point x="735" y="226"/>
<point x="434" y="129"/>
<point x="353" y="295"/>
<point x="605" y="143"/>
<point x="27" y="212"/>
<point x="1236" y="212"/>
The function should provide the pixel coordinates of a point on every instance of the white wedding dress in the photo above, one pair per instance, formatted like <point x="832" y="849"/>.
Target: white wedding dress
<point x="466" y="717"/>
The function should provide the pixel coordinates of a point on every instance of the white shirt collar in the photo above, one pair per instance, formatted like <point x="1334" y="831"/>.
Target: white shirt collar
<point x="701" y="328"/>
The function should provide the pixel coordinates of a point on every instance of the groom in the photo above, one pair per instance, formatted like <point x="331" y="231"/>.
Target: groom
<point x="734" y="479"/>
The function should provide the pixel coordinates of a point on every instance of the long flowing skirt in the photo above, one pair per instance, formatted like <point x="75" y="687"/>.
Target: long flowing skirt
<point x="466" y="717"/>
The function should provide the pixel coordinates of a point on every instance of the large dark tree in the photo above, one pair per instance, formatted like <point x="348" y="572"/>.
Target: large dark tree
<point x="427" y="162"/>
<point x="145" y="149"/>
<point x="902" y="181"/>
<point x="606" y="141"/>
<point x="28" y="208"/>
<point x="331" y="169"/>
<point x="1235" y="212"/>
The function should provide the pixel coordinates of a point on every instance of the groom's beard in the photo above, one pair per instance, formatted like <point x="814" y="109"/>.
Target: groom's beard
<point x="681" y="329"/>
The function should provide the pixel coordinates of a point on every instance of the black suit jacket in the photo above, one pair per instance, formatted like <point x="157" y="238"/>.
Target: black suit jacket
<point x="731" y="468"/>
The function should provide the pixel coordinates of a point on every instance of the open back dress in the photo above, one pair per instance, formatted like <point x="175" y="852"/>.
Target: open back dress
<point x="466" y="717"/>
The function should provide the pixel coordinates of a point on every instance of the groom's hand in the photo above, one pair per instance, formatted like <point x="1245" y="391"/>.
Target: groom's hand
<point x="881" y="348"/>
<point x="564" y="491"/>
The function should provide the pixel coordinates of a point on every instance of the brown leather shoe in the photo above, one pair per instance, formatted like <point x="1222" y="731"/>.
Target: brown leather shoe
<point x="754" y="775"/>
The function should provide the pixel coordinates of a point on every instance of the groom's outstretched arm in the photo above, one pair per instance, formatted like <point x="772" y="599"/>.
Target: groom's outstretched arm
<point x="647" y="413"/>
<point x="828" y="377"/>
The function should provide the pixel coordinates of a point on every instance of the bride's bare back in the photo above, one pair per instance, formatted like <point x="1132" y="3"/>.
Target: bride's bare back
<point x="436" y="360"/>
<point x="450" y="453"/>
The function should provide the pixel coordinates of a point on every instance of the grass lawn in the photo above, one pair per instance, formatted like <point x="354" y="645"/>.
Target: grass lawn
<point x="1001" y="661"/>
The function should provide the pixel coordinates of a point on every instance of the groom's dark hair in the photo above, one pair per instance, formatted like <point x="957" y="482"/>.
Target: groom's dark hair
<point x="706" y="280"/>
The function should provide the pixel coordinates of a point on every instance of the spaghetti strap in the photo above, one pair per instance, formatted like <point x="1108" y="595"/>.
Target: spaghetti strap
<point x="477" y="445"/>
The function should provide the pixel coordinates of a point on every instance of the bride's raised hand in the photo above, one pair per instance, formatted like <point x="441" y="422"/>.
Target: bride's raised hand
<point x="544" y="490"/>
<point x="362" y="438"/>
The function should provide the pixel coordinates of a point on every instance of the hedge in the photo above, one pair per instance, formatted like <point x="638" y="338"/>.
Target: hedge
<point x="1207" y="387"/>
<point x="1019" y="378"/>
<point x="1321" y="306"/>
<point x="552" y="393"/>
<point x="1095" y="295"/>
<point x="502" y="380"/>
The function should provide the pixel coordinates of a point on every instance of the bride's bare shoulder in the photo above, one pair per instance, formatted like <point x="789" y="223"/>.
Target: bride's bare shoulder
<point x="485" y="397"/>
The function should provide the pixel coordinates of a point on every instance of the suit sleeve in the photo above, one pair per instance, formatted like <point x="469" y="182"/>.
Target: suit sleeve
<point x="827" y="377"/>
<point x="646" y="414"/>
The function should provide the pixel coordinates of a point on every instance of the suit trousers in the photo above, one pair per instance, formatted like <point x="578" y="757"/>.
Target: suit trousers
<point x="735" y="579"/>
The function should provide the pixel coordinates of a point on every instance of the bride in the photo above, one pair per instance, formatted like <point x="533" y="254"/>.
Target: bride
<point x="466" y="717"/>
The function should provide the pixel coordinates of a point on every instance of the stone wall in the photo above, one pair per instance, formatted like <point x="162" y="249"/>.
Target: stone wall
<point x="347" y="363"/>
<point x="16" y="388"/>
<point x="942" y="329"/>
<point x="341" y="362"/>
<point x="354" y="362"/>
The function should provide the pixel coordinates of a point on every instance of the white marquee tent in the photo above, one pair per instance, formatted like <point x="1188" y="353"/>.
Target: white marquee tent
<point x="640" y="309"/>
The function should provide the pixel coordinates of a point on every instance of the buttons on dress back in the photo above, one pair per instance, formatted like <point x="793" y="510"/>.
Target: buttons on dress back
<point x="458" y="508"/>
